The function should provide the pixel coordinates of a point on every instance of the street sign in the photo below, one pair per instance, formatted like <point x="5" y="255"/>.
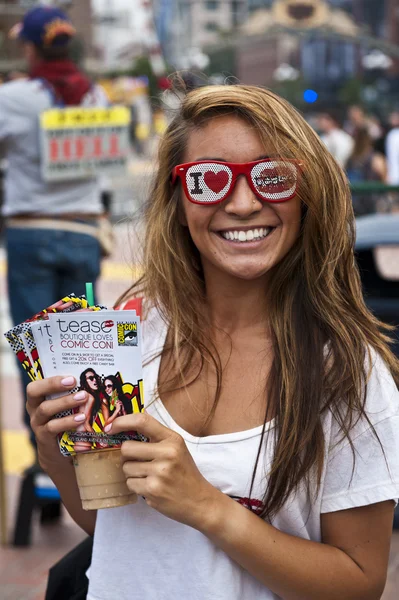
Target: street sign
<point x="78" y="143"/>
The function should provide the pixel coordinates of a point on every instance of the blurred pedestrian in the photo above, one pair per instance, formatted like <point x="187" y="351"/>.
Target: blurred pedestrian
<point x="365" y="164"/>
<point x="356" y="119"/>
<point x="392" y="149"/>
<point x="338" y="142"/>
<point x="51" y="228"/>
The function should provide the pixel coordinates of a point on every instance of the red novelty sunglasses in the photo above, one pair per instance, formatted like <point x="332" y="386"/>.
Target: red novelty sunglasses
<point x="211" y="181"/>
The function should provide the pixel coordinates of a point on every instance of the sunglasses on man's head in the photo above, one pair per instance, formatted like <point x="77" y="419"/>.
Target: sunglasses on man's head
<point x="211" y="181"/>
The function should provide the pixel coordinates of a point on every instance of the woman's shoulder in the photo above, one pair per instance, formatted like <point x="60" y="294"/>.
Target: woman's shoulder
<point x="381" y="400"/>
<point x="362" y="468"/>
<point x="382" y="394"/>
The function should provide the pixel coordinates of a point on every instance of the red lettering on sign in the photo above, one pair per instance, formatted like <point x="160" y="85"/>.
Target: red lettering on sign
<point x="114" y="145"/>
<point x="80" y="147"/>
<point x="98" y="146"/>
<point x="67" y="149"/>
<point x="54" y="150"/>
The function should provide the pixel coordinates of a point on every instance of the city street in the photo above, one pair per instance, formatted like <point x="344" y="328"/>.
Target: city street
<point x="23" y="572"/>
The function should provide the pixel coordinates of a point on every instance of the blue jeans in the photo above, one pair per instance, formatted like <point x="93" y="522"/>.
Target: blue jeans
<point x="44" y="266"/>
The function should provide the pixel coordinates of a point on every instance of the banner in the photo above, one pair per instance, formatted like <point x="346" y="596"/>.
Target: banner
<point x="78" y="143"/>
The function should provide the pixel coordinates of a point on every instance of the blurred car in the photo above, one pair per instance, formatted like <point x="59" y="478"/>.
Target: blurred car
<point x="381" y="293"/>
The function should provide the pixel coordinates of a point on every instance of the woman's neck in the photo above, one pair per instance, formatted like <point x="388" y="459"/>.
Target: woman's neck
<point x="235" y="304"/>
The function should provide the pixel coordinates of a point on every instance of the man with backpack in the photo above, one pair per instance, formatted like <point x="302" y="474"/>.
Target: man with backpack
<point x="52" y="228"/>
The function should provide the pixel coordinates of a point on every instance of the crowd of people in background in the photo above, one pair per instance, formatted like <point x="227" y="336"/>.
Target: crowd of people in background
<point x="366" y="148"/>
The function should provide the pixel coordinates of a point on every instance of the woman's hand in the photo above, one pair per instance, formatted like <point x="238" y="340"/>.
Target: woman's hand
<point x="41" y="411"/>
<point x="164" y="472"/>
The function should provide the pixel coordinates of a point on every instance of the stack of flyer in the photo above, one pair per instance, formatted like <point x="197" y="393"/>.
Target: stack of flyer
<point x="102" y="349"/>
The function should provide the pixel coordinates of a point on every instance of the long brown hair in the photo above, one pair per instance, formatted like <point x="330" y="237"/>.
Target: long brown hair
<point x="321" y="329"/>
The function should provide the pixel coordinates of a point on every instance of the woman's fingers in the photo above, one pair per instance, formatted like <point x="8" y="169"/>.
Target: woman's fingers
<point x="132" y="450"/>
<point x="49" y="408"/>
<point x="135" y="469"/>
<point x="55" y="426"/>
<point x="37" y="390"/>
<point x="137" y="486"/>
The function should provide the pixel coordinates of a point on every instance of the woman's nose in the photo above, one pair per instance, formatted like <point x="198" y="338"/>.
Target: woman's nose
<point x="242" y="201"/>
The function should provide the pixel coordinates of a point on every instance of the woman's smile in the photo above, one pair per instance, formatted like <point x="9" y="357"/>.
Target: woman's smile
<point x="246" y="235"/>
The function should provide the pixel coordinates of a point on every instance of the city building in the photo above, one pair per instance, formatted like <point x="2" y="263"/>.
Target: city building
<point x="324" y="41"/>
<point x="187" y="25"/>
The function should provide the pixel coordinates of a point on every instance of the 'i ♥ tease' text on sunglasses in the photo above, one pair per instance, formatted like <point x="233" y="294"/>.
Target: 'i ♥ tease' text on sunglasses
<point x="211" y="181"/>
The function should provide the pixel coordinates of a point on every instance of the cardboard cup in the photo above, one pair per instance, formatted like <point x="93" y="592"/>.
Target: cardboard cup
<point x="101" y="481"/>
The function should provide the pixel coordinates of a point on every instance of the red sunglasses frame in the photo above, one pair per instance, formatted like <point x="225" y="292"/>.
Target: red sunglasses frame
<point x="237" y="169"/>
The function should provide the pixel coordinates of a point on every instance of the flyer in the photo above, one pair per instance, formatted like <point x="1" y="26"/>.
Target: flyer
<point x="102" y="351"/>
<point x="22" y="342"/>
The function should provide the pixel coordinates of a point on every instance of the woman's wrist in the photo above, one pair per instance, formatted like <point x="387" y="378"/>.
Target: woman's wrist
<point x="214" y="512"/>
<point x="56" y="465"/>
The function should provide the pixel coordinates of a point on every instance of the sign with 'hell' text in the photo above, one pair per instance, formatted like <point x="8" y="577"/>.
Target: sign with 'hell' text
<point x="78" y="143"/>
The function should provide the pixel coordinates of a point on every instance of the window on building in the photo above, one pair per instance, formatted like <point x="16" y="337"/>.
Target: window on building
<point x="212" y="4"/>
<point x="211" y="26"/>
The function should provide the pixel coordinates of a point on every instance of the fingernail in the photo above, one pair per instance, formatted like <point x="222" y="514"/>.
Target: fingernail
<point x="80" y="396"/>
<point x="80" y="417"/>
<point x="107" y="428"/>
<point x="68" y="381"/>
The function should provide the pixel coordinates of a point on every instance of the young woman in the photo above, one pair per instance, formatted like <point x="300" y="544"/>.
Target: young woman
<point x="96" y="409"/>
<point x="117" y="402"/>
<point x="365" y="164"/>
<point x="272" y="414"/>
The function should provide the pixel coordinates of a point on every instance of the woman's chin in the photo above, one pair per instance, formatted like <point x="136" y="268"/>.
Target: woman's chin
<point x="248" y="272"/>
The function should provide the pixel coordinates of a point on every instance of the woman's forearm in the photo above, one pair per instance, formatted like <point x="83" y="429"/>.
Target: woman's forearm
<point x="291" y="567"/>
<point x="65" y="481"/>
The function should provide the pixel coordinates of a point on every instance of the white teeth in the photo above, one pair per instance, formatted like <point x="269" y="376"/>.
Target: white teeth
<point x="247" y="236"/>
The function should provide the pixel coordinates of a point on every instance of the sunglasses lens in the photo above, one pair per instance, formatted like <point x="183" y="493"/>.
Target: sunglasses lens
<point x="208" y="182"/>
<point x="275" y="181"/>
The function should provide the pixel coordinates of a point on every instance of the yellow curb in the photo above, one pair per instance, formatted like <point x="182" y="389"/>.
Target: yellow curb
<point x="120" y="271"/>
<point x="18" y="452"/>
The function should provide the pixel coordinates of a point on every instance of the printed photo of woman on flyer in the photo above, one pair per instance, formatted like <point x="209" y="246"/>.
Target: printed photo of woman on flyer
<point x="119" y="404"/>
<point x="95" y="408"/>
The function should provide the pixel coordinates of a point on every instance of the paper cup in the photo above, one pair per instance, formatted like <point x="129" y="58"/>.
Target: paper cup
<point x="101" y="481"/>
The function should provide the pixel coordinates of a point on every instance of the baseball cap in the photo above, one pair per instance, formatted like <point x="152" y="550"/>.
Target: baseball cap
<point x="44" y="26"/>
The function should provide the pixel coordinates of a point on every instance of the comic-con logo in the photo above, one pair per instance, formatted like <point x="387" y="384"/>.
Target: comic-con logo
<point x="127" y="333"/>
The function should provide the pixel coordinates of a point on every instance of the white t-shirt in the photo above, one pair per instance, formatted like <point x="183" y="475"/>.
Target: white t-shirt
<point x="139" y="554"/>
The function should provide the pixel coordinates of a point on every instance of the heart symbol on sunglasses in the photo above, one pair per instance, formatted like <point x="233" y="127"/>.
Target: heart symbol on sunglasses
<point x="216" y="181"/>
